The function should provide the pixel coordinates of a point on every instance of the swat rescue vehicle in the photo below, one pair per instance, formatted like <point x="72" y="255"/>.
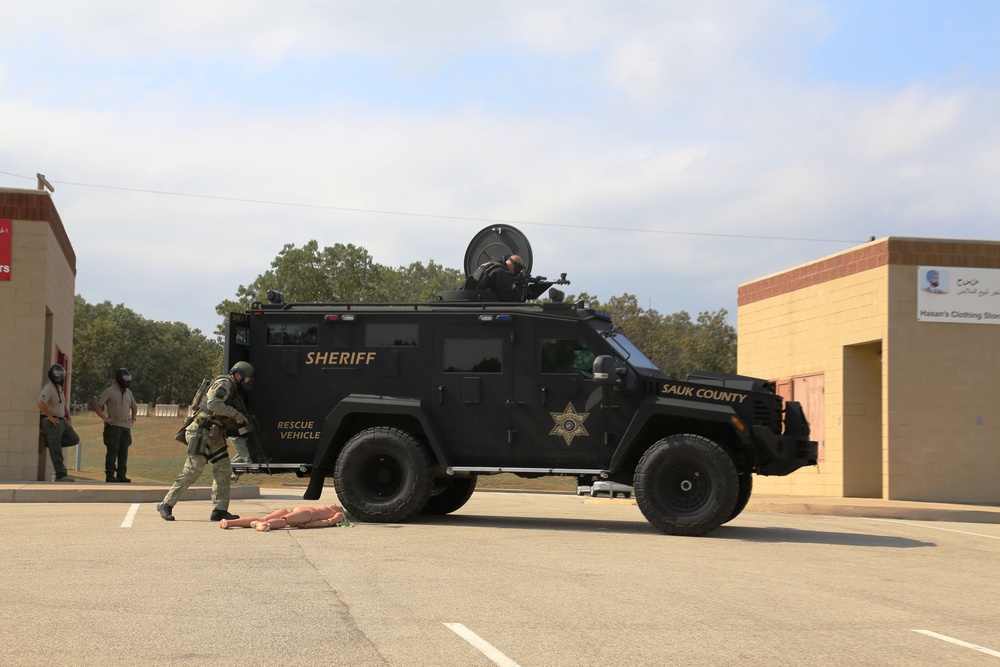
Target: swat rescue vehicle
<point x="405" y="405"/>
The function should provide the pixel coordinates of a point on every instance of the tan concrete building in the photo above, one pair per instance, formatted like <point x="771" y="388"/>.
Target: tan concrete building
<point x="893" y="349"/>
<point x="37" y="287"/>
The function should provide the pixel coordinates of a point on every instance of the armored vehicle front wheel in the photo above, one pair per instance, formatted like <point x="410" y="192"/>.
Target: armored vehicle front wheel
<point x="686" y="485"/>
<point x="383" y="475"/>
<point x="449" y="494"/>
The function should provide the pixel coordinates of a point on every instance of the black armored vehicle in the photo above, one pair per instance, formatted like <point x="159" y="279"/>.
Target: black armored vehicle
<point x="405" y="405"/>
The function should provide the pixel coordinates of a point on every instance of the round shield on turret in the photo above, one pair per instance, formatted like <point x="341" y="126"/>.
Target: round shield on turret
<point x="497" y="242"/>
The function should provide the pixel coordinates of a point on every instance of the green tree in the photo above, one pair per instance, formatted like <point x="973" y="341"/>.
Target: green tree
<point x="674" y="342"/>
<point x="178" y="362"/>
<point x="714" y="346"/>
<point x="105" y="338"/>
<point x="341" y="273"/>
<point x="419" y="282"/>
<point x="167" y="359"/>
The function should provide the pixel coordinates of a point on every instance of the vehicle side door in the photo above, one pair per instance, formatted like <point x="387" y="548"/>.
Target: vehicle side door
<point x="560" y="420"/>
<point x="470" y="389"/>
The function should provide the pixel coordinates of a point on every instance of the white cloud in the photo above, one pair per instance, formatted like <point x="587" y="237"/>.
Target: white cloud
<point x="668" y="117"/>
<point x="904" y="124"/>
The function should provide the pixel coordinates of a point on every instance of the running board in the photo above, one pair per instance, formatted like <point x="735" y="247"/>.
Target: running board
<point x="491" y="470"/>
<point x="534" y="471"/>
<point x="263" y="467"/>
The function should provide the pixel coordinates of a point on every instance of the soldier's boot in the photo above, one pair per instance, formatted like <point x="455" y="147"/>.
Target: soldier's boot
<point x="166" y="511"/>
<point x="219" y="515"/>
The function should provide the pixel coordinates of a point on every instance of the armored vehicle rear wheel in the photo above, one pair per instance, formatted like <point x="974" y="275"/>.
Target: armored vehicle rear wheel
<point x="383" y="475"/>
<point x="743" y="497"/>
<point x="449" y="494"/>
<point x="686" y="485"/>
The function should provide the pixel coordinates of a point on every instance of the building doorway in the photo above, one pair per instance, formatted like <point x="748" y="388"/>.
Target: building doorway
<point x="863" y="470"/>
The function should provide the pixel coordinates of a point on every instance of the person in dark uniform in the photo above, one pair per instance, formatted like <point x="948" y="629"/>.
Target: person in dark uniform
<point x="503" y="277"/>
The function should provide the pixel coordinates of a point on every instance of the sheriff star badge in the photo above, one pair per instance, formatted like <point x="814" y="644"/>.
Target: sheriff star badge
<point x="569" y="424"/>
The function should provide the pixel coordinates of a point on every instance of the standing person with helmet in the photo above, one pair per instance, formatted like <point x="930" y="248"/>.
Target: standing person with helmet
<point x="121" y="409"/>
<point x="206" y="439"/>
<point x="56" y="423"/>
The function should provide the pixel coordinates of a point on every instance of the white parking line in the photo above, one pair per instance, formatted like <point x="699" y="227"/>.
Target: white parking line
<point x="484" y="646"/>
<point x="974" y="647"/>
<point x="130" y="516"/>
<point x="920" y="525"/>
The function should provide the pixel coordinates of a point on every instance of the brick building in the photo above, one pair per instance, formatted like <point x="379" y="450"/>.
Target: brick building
<point x="37" y="287"/>
<point x="899" y="378"/>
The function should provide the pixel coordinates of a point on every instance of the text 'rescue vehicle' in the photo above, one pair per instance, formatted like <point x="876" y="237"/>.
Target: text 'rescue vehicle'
<point x="404" y="405"/>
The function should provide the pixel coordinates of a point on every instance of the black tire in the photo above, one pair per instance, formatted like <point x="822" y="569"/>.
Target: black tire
<point x="383" y="475"/>
<point x="686" y="485"/>
<point x="449" y="494"/>
<point x="743" y="497"/>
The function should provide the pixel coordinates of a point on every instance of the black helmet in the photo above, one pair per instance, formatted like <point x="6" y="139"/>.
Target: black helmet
<point x="123" y="378"/>
<point x="246" y="374"/>
<point x="57" y="374"/>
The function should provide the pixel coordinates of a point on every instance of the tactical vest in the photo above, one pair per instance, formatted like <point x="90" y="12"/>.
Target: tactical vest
<point x="482" y="277"/>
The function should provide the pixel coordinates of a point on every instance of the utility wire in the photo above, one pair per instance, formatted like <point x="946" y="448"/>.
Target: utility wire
<point x="440" y="217"/>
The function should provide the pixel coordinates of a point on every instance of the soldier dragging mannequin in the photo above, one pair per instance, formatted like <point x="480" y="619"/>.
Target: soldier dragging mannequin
<point x="206" y="441"/>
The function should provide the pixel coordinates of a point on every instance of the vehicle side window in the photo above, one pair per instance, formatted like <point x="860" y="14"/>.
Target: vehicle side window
<point x="567" y="355"/>
<point x="391" y="335"/>
<point x="241" y="334"/>
<point x="473" y="355"/>
<point x="292" y="334"/>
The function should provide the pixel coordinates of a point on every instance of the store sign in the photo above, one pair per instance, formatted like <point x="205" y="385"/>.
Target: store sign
<point x="963" y="296"/>
<point x="6" y="242"/>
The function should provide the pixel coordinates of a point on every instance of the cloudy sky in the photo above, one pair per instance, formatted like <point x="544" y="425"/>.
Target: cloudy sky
<point x="665" y="148"/>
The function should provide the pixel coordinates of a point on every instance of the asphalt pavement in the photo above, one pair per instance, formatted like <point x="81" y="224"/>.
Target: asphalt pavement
<point x="99" y="492"/>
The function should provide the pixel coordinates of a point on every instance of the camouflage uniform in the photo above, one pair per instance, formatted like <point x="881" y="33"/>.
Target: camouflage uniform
<point x="206" y="438"/>
<point x="240" y="445"/>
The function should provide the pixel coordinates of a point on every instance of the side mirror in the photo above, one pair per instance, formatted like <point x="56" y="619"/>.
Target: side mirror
<point x="605" y="370"/>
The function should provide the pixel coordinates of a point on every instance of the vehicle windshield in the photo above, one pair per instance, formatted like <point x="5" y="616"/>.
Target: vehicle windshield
<point x="629" y="351"/>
